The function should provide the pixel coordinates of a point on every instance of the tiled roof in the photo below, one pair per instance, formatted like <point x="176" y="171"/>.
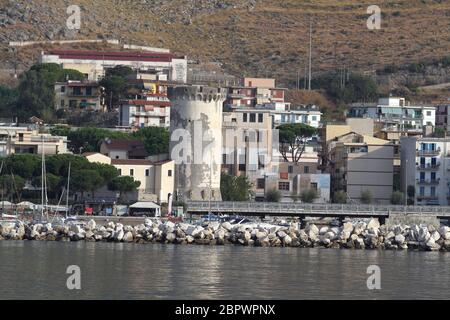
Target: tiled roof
<point x="123" y="144"/>
<point x="111" y="55"/>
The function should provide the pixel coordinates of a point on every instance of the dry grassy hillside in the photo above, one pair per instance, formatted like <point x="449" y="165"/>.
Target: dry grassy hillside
<point x="257" y="37"/>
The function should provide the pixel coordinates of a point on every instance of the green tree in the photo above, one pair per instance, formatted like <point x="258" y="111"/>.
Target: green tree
<point x="116" y="84"/>
<point x="439" y="132"/>
<point x="273" y="195"/>
<point x="25" y="165"/>
<point x="309" y="195"/>
<point x="340" y="197"/>
<point x="11" y="185"/>
<point x="123" y="184"/>
<point x="293" y="139"/>
<point x="37" y="92"/>
<point x="86" y="180"/>
<point x="397" y="197"/>
<point x="53" y="184"/>
<point x="156" y="139"/>
<point x="366" y="197"/>
<point x="235" y="188"/>
<point x="8" y="101"/>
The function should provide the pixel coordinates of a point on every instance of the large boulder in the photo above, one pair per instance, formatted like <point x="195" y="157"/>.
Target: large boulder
<point x="399" y="239"/>
<point x="373" y="223"/>
<point x="312" y="228"/>
<point x="91" y="224"/>
<point x="348" y="226"/>
<point x="287" y="240"/>
<point x="227" y="226"/>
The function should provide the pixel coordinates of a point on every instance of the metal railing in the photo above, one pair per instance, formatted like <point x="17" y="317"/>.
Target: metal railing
<point x="303" y="208"/>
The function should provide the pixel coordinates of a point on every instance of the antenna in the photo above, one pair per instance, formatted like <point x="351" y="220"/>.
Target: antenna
<point x="310" y="53"/>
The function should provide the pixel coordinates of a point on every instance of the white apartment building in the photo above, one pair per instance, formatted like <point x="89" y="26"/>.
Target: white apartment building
<point x="25" y="140"/>
<point x="396" y="113"/>
<point x="94" y="63"/>
<point x="284" y="113"/>
<point x="156" y="178"/>
<point x="425" y="164"/>
<point x="147" y="112"/>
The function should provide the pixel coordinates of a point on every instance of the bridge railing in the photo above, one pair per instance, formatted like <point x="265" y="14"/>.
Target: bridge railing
<point x="298" y="208"/>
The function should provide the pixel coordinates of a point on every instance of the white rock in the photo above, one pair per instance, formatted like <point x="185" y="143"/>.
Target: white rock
<point x="169" y="224"/>
<point x="111" y="225"/>
<point x="171" y="237"/>
<point x="76" y="228"/>
<point x="344" y="235"/>
<point x="447" y="236"/>
<point x="303" y="235"/>
<point x="390" y="235"/>
<point x="91" y="224"/>
<point x="148" y="222"/>
<point x="312" y="228"/>
<point x="373" y="223"/>
<point x="215" y="225"/>
<point x="399" y="239"/>
<point x="227" y="226"/>
<point x="189" y="239"/>
<point x="348" y="226"/>
<point x="281" y="234"/>
<point x="312" y="235"/>
<point x="435" y="235"/>
<point x="287" y="240"/>
<point x="323" y="230"/>
<point x="443" y="230"/>
<point x="247" y="236"/>
<point x="119" y="235"/>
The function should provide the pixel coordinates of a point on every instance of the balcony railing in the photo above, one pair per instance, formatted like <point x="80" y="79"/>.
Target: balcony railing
<point x="429" y="166"/>
<point x="428" y="181"/>
<point x="429" y="152"/>
<point x="427" y="197"/>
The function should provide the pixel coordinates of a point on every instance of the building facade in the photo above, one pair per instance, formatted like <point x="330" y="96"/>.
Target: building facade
<point x="89" y="96"/>
<point x="359" y="163"/>
<point x="94" y="63"/>
<point x="425" y="162"/>
<point x="196" y="140"/>
<point x="396" y="113"/>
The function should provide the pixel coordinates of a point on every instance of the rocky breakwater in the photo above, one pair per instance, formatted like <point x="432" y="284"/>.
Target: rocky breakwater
<point x="351" y="235"/>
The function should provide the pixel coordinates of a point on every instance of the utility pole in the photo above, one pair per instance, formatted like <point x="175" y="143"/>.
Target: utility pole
<point x="310" y="53"/>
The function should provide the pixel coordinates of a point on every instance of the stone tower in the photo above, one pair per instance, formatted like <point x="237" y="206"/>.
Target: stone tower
<point x="196" y="140"/>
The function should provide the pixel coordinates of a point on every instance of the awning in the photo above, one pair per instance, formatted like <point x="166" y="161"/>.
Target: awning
<point x="145" y="205"/>
<point x="391" y="110"/>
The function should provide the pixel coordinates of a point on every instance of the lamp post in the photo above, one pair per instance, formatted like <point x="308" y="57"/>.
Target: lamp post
<point x="406" y="182"/>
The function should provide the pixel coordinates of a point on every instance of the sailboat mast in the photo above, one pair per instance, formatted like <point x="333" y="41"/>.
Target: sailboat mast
<point x="67" y="195"/>
<point x="42" y="178"/>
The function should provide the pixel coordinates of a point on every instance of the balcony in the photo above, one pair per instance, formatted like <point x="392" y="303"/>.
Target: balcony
<point x="428" y="181"/>
<point x="429" y="166"/>
<point x="428" y="197"/>
<point x="428" y="152"/>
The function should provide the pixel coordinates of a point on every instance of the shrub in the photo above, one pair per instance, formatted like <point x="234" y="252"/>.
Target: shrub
<point x="397" y="197"/>
<point x="366" y="197"/>
<point x="273" y="195"/>
<point x="340" y="197"/>
<point x="309" y="195"/>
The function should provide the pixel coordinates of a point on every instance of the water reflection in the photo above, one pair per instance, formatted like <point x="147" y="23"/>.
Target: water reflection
<point x="37" y="270"/>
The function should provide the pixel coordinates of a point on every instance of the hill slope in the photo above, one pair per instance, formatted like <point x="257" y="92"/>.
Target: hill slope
<point x="253" y="37"/>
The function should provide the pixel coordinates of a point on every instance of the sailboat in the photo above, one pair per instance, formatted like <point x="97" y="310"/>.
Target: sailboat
<point x="7" y="219"/>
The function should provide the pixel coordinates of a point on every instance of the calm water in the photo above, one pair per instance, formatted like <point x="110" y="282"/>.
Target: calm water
<point x="37" y="270"/>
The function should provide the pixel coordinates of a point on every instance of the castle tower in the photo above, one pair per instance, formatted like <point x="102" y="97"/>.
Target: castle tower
<point x="196" y="140"/>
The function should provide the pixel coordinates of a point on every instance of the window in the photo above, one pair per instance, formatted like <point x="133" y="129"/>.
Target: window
<point x="422" y="176"/>
<point x="77" y="91"/>
<point x="314" y="118"/>
<point x="131" y="172"/>
<point x="428" y="113"/>
<point x="260" y="117"/>
<point x="72" y="103"/>
<point x="422" y="191"/>
<point x="169" y="173"/>
<point x="88" y="91"/>
<point x="290" y="169"/>
<point x="244" y="117"/>
<point x="260" y="183"/>
<point x="306" y="169"/>
<point x="433" y="191"/>
<point x="433" y="176"/>
<point x="63" y="89"/>
<point x="147" y="172"/>
<point x="62" y="103"/>
<point x="261" y="162"/>
<point x="283" y="186"/>
<point x="252" y="117"/>
<point x="314" y="185"/>
<point x="120" y="171"/>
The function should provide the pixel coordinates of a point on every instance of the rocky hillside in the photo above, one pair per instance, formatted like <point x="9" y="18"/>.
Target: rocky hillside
<point x="254" y="37"/>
